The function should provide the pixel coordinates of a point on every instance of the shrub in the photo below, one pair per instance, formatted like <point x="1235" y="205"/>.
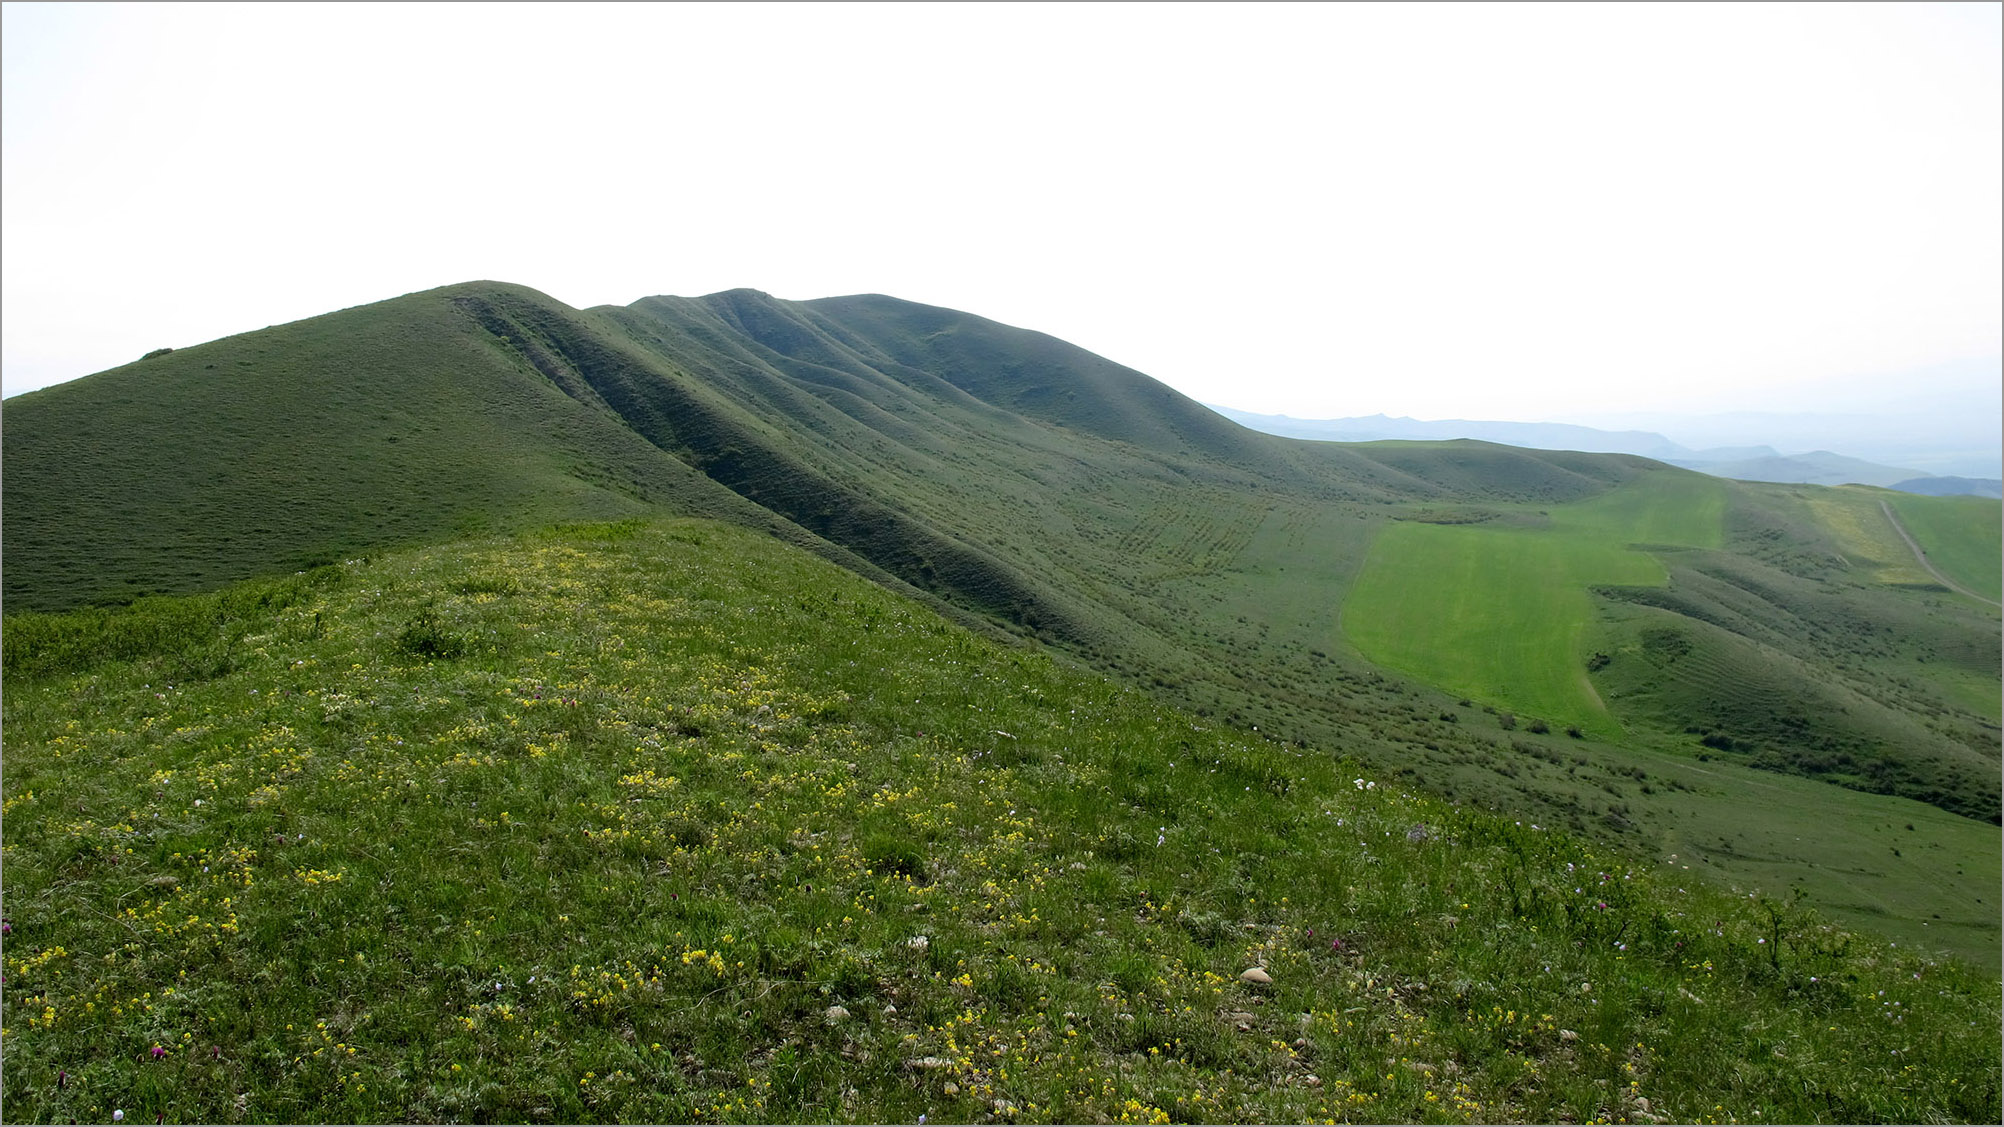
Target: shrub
<point x="426" y="637"/>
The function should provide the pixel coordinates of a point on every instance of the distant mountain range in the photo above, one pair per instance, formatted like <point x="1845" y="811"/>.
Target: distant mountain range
<point x="1743" y="463"/>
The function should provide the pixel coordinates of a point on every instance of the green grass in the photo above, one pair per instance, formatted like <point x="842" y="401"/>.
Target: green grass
<point x="1670" y="509"/>
<point x="1499" y="616"/>
<point x="308" y="443"/>
<point x="1869" y="541"/>
<point x="1504" y="614"/>
<point x="1027" y="489"/>
<point x="1963" y="536"/>
<point x="600" y="823"/>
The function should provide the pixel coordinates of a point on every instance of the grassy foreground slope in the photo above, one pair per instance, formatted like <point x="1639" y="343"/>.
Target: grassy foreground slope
<point x="670" y="822"/>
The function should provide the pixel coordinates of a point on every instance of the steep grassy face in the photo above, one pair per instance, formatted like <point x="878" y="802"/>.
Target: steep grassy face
<point x="1036" y="376"/>
<point x="670" y="822"/>
<point x="1032" y="489"/>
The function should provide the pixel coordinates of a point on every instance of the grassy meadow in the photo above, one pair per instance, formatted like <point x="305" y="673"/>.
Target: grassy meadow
<point x="668" y="821"/>
<point x="1501" y="609"/>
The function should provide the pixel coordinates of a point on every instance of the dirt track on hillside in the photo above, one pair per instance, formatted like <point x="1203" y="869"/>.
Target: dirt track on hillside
<point x="1927" y="563"/>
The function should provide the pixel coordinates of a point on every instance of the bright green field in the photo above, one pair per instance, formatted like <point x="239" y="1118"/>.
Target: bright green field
<point x="1501" y="613"/>
<point x="1963" y="536"/>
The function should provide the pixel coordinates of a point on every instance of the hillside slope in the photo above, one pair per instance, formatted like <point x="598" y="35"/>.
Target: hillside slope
<point x="1026" y="484"/>
<point x="669" y="822"/>
<point x="304" y="443"/>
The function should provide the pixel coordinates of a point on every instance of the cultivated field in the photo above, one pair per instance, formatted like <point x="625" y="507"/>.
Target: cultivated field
<point x="1502" y="612"/>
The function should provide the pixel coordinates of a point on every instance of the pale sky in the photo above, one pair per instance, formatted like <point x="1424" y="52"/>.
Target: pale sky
<point x="1488" y="211"/>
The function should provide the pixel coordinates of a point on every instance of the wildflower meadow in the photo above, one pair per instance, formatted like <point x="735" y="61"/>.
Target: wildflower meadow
<point x="671" y="822"/>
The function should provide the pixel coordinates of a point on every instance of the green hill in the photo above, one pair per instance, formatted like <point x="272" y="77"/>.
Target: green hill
<point x="1030" y="488"/>
<point x="667" y="821"/>
<point x="305" y="443"/>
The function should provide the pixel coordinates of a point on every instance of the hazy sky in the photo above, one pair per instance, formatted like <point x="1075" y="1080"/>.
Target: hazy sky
<point x="1488" y="211"/>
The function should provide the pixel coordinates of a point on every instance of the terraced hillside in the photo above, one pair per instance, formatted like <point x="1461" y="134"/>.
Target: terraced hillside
<point x="1036" y="490"/>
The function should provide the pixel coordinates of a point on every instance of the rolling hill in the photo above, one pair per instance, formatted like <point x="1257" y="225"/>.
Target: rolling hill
<point x="1743" y="648"/>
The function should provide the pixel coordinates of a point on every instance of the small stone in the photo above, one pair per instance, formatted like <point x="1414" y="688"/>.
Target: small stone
<point x="836" y="1013"/>
<point x="1301" y="1042"/>
<point x="1238" y="1015"/>
<point x="1256" y="975"/>
<point x="890" y="1011"/>
<point x="951" y="1088"/>
<point x="1312" y="1080"/>
<point x="928" y="1063"/>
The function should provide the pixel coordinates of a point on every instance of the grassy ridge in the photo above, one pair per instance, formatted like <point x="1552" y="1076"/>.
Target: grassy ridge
<point x="672" y="823"/>
<point x="305" y="443"/>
